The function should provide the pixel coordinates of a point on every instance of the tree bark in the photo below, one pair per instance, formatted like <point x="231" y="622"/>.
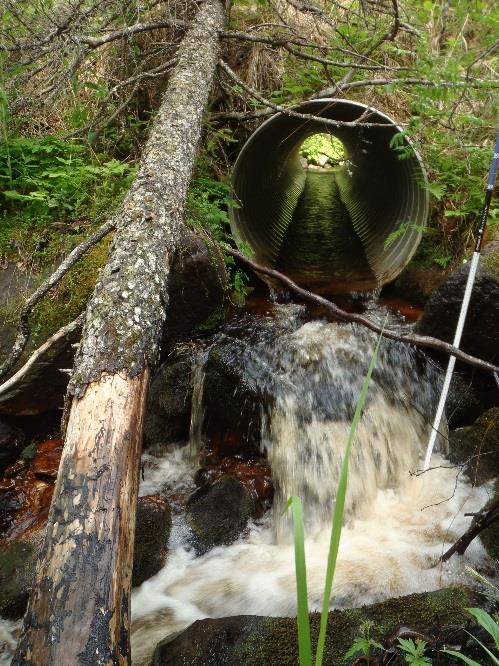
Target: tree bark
<point x="78" y="611"/>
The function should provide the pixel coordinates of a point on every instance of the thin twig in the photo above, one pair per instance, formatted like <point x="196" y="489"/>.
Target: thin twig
<point x="409" y="338"/>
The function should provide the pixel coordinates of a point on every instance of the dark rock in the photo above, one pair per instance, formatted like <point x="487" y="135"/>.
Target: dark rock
<point x="17" y="568"/>
<point x="247" y="640"/>
<point x="218" y="512"/>
<point x="196" y="286"/>
<point x="169" y="402"/>
<point x="152" y="531"/>
<point x="481" y="331"/>
<point x="480" y="443"/>
<point x="490" y="536"/>
<point x="417" y="284"/>
<point x="463" y="404"/>
<point x="11" y="444"/>
<point x="254" y="474"/>
<point x="43" y="387"/>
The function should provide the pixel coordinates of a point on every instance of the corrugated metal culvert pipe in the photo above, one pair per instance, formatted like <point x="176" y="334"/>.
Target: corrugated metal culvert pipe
<point x="328" y="229"/>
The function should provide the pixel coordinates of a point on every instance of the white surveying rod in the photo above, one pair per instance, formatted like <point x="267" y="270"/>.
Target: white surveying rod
<point x="464" y="306"/>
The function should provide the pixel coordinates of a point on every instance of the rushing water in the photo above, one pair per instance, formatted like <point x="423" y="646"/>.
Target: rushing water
<point x="397" y="523"/>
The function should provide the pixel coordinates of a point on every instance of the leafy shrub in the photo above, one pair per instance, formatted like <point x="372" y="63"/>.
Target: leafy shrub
<point x="48" y="178"/>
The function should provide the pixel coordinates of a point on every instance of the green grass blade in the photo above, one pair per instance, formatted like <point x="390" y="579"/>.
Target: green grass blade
<point x="493" y="658"/>
<point x="462" y="657"/>
<point x="487" y="622"/>
<point x="303" y="621"/>
<point x="339" y="507"/>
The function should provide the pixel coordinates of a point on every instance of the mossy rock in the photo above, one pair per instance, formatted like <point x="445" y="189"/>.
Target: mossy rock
<point x="490" y="536"/>
<point x="478" y="444"/>
<point x="17" y="569"/>
<point x="248" y="640"/>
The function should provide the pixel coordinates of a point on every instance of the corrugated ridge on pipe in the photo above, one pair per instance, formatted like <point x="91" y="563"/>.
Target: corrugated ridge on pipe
<point x="375" y="194"/>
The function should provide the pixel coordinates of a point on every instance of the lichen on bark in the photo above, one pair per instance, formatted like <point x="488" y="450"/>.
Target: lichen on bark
<point x="128" y="307"/>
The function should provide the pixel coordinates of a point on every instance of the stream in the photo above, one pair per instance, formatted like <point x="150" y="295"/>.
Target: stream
<point x="397" y="523"/>
<point x="308" y="374"/>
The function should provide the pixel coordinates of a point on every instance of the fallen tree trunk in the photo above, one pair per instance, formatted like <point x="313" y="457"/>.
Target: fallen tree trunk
<point x="78" y="611"/>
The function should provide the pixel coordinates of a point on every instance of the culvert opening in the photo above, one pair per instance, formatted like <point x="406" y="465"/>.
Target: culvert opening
<point x="320" y="203"/>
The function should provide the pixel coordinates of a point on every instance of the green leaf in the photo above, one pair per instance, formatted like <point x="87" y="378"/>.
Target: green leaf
<point x="303" y="621"/>
<point x="360" y="645"/>
<point x="462" y="657"/>
<point x="487" y="622"/>
<point x="339" y="507"/>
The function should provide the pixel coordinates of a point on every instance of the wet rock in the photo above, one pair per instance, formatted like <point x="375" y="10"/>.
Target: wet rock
<point x="218" y="512"/>
<point x="196" y="286"/>
<point x="254" y="640"/>
<point x="152" y="531"/>
<point x="490" y="536"/>
<point x="27" y="487"/>
<point x="11" y="444"/>
<point x="478" y="444"/>
<point x="169" y="402"/>
<point x="417" y="284"/>
<point x="255" y="476"/>
<point x="43" y="387"/>
<point x="17" y="568"/>
<point x="463" y="404"/>
<point x="239" y="377"/>
<point x="481" y="331"/>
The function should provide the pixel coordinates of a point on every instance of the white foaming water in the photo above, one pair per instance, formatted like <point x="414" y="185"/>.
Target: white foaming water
<point x="8" y="640"/>
<point x="397" y="525"/>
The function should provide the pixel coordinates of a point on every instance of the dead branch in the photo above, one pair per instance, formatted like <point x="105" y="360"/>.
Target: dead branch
<point x="23" y="332"/>
<point x="295" y="114"/>
<point x="38" y="353"/>
<point x="129" y="31"/>
<point x="288" y="45"/>
<point x="409" y="338"/>
<point x="481" y="521"/>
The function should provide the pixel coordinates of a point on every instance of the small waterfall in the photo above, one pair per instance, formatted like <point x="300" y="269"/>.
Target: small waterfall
<point x="318" y="377"/>
<point x="197" y="409"/>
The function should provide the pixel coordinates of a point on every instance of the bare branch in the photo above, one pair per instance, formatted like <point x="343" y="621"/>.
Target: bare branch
<point x="38" y="353"/>
<point x="295" y="114"/>
<point x="125" y="33"/>
<point x="409" y="338"/>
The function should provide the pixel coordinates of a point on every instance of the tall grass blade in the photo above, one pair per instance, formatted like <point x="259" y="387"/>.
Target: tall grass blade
<point x="304" y="642"/>
<point x="339" y="507"/>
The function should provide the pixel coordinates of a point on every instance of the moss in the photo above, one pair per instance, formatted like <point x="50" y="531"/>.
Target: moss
<point x="17" y="566"/>
<point x="490" y="536"/>
<point x="277" y="637"/>
<point x="70" y="297"/>
<point x="491" y="262"/>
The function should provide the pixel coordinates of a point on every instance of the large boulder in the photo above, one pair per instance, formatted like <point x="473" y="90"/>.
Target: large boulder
<point x="196" y="286"/>
<point x="152" y="531"/>
<point x="168" y="411"/>
<point x="248" y="640"/>
<point x="477" y="446"/>
<point x="240" y="372"/>
<point x="11" y="444"/>
<point x="481" y="331"/>
<point x="218" y="512"/>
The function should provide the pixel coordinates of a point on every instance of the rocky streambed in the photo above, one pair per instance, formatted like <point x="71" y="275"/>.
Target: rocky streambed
<point x="227" y="414"/>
